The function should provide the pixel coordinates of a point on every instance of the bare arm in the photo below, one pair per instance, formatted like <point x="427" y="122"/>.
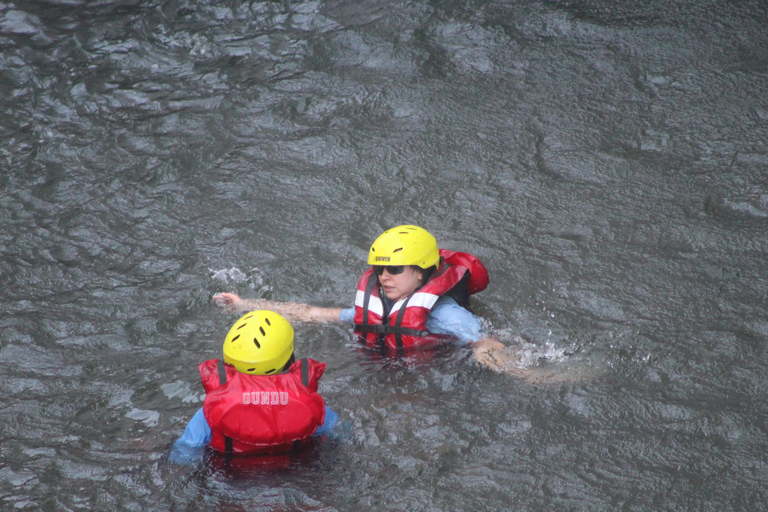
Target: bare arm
<point x="292" y="311"/>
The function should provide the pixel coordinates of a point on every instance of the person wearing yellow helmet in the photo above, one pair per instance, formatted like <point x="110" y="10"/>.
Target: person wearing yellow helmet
<point x="412" y="290"/>
<point x="258" y="398"/>
<point x="402" y="298"/>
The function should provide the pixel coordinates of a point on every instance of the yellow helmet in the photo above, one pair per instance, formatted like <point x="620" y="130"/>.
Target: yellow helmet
<point x="405" y="245"/>
<point x="260" y="343"/>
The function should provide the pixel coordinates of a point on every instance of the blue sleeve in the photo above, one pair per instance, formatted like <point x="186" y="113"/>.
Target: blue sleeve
<point x="347" y="315"/>
<point x="188" y="449"/>
<point x="447" y="317"/>
<point x="197" y="433"/>
<point x="331" y="418"/>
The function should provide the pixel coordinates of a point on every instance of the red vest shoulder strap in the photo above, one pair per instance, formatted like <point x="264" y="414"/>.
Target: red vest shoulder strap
<point x="210" y="373"/>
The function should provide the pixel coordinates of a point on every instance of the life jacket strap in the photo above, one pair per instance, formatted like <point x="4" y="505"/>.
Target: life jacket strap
<point x="296" y="445"/>
<point x="373" y="281"/>
<point x="304" y="372"/>
<point x="399" y="323"/>
<point x="390" y="329"/>
<point x="223" y="380"/>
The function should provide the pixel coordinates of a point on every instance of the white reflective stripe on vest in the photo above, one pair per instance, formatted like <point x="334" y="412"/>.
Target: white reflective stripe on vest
<point x="419" y="300"/>
<point x="374" y="304"/>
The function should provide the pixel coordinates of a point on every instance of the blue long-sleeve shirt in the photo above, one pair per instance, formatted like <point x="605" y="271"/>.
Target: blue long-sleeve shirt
<point x="445" y="317"/>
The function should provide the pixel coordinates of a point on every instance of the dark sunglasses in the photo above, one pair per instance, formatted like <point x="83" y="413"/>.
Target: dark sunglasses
<point x="392" y="270"/>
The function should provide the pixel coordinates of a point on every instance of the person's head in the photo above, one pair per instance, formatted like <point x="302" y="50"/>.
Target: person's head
<point x="403" y="257"/>
<point x="260" y="343"/>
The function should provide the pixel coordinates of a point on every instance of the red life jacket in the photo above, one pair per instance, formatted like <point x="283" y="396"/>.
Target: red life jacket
<point x="251" y="413"/>
<point x="459" y="275"/>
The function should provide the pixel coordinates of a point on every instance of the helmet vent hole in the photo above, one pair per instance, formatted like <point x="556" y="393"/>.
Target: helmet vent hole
<point x="233" y="339"/>
<point x="270" y="371"/>
<point x="250" y="370"/>
<point x="268" y="322"/>
<point x="261" y="330"/>
<point x="257" y="343"/>
<point x="241" y="326"/>
<point x="397" y="250"/>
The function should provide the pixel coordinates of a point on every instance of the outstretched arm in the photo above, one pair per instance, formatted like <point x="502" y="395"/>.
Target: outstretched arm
<point x="292" y="311"/>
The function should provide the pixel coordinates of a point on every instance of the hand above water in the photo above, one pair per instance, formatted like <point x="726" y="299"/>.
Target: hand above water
<point x="491" y="353"/>
<point x="488" y="345"/>
<point x="229" y="300"/>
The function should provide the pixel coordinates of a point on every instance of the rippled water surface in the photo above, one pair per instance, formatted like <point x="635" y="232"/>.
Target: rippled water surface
<point x="607" y="160"/>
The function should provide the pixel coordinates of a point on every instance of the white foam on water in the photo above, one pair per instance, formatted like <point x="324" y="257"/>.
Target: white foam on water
<point x="233" y="276"/>
<point x="533" y="355"/>
<point x="228" y="275"/>
<point x="180" y="389"/>
<point x="149" y="418"/>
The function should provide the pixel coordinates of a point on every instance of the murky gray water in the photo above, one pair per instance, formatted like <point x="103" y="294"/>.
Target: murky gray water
<point x="608" y="161"/>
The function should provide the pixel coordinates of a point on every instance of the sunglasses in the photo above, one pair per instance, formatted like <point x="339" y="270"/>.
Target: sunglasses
<point x="392" y="270"/>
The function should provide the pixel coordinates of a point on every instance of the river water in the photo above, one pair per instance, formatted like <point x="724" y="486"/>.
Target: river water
<point x="607" y="160"/>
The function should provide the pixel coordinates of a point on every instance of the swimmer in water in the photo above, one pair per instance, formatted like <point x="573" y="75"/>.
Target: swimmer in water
<point x="412" y="292"/>
<point x="259" y="398"/>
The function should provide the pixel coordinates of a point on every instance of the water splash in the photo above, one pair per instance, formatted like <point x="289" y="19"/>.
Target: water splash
<point x="536" y="355"/>
<point x="234" y="277"/>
